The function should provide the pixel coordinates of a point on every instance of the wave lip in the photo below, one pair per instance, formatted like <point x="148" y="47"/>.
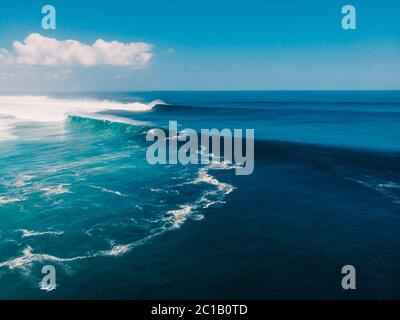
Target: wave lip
<point x="109" y="118"/>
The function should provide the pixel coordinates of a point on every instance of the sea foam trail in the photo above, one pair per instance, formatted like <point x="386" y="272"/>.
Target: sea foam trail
<point x="7" y="200"/>
<point x="173" y="220"/>
<point x="29" y="257"/>
<point x="117" y="193"/>
<point x="29" y="233"/>
<point x="388" y="189"/>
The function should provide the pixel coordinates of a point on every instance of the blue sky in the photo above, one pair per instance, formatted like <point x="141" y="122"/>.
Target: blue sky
<point x="230" y="45"/>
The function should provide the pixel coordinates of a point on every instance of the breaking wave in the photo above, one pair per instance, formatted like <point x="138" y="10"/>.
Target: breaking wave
<point x="15" y="109"/>
<point x="51" y="110"/>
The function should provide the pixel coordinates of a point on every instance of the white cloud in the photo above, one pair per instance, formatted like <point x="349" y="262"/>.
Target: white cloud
<point x="37" y="50"/>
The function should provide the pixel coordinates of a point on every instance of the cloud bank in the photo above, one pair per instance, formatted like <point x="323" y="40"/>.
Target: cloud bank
<point x="37" y="50"/>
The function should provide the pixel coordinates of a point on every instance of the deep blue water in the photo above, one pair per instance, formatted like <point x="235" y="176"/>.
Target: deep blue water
<point x="79" y="194"/>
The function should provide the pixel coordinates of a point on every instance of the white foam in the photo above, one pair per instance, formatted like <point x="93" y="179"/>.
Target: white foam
<point x="117" y="193"/>
<point x="205" y="177"/>
<point x="224" y="165"/>
<point x="7" y="200"/>
<point x="115" y="251"/>
<point x="29" y="258"/>
<point x="56" y="190"/>
<point x="389" y="189"/>
<point x="28" y="233"/>
<point x="180" y="215"/>
<point x="22" y="180"/>
<point x="389" y="185"/>
<point x="209" y="198"/>
<point x="118" y="250"/>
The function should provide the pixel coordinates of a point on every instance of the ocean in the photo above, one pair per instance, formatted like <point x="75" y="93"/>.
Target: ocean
<point x="77" y="193"/>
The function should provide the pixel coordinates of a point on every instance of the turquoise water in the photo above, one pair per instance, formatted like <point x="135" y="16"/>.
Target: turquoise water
<point x="77" y="192"/>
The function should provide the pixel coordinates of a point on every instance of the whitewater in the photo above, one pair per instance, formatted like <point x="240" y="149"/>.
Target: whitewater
<point x="43" y="109"/>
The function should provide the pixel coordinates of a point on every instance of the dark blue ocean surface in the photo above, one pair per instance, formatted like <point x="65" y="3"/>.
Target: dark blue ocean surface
<point x="76" y="192"/>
